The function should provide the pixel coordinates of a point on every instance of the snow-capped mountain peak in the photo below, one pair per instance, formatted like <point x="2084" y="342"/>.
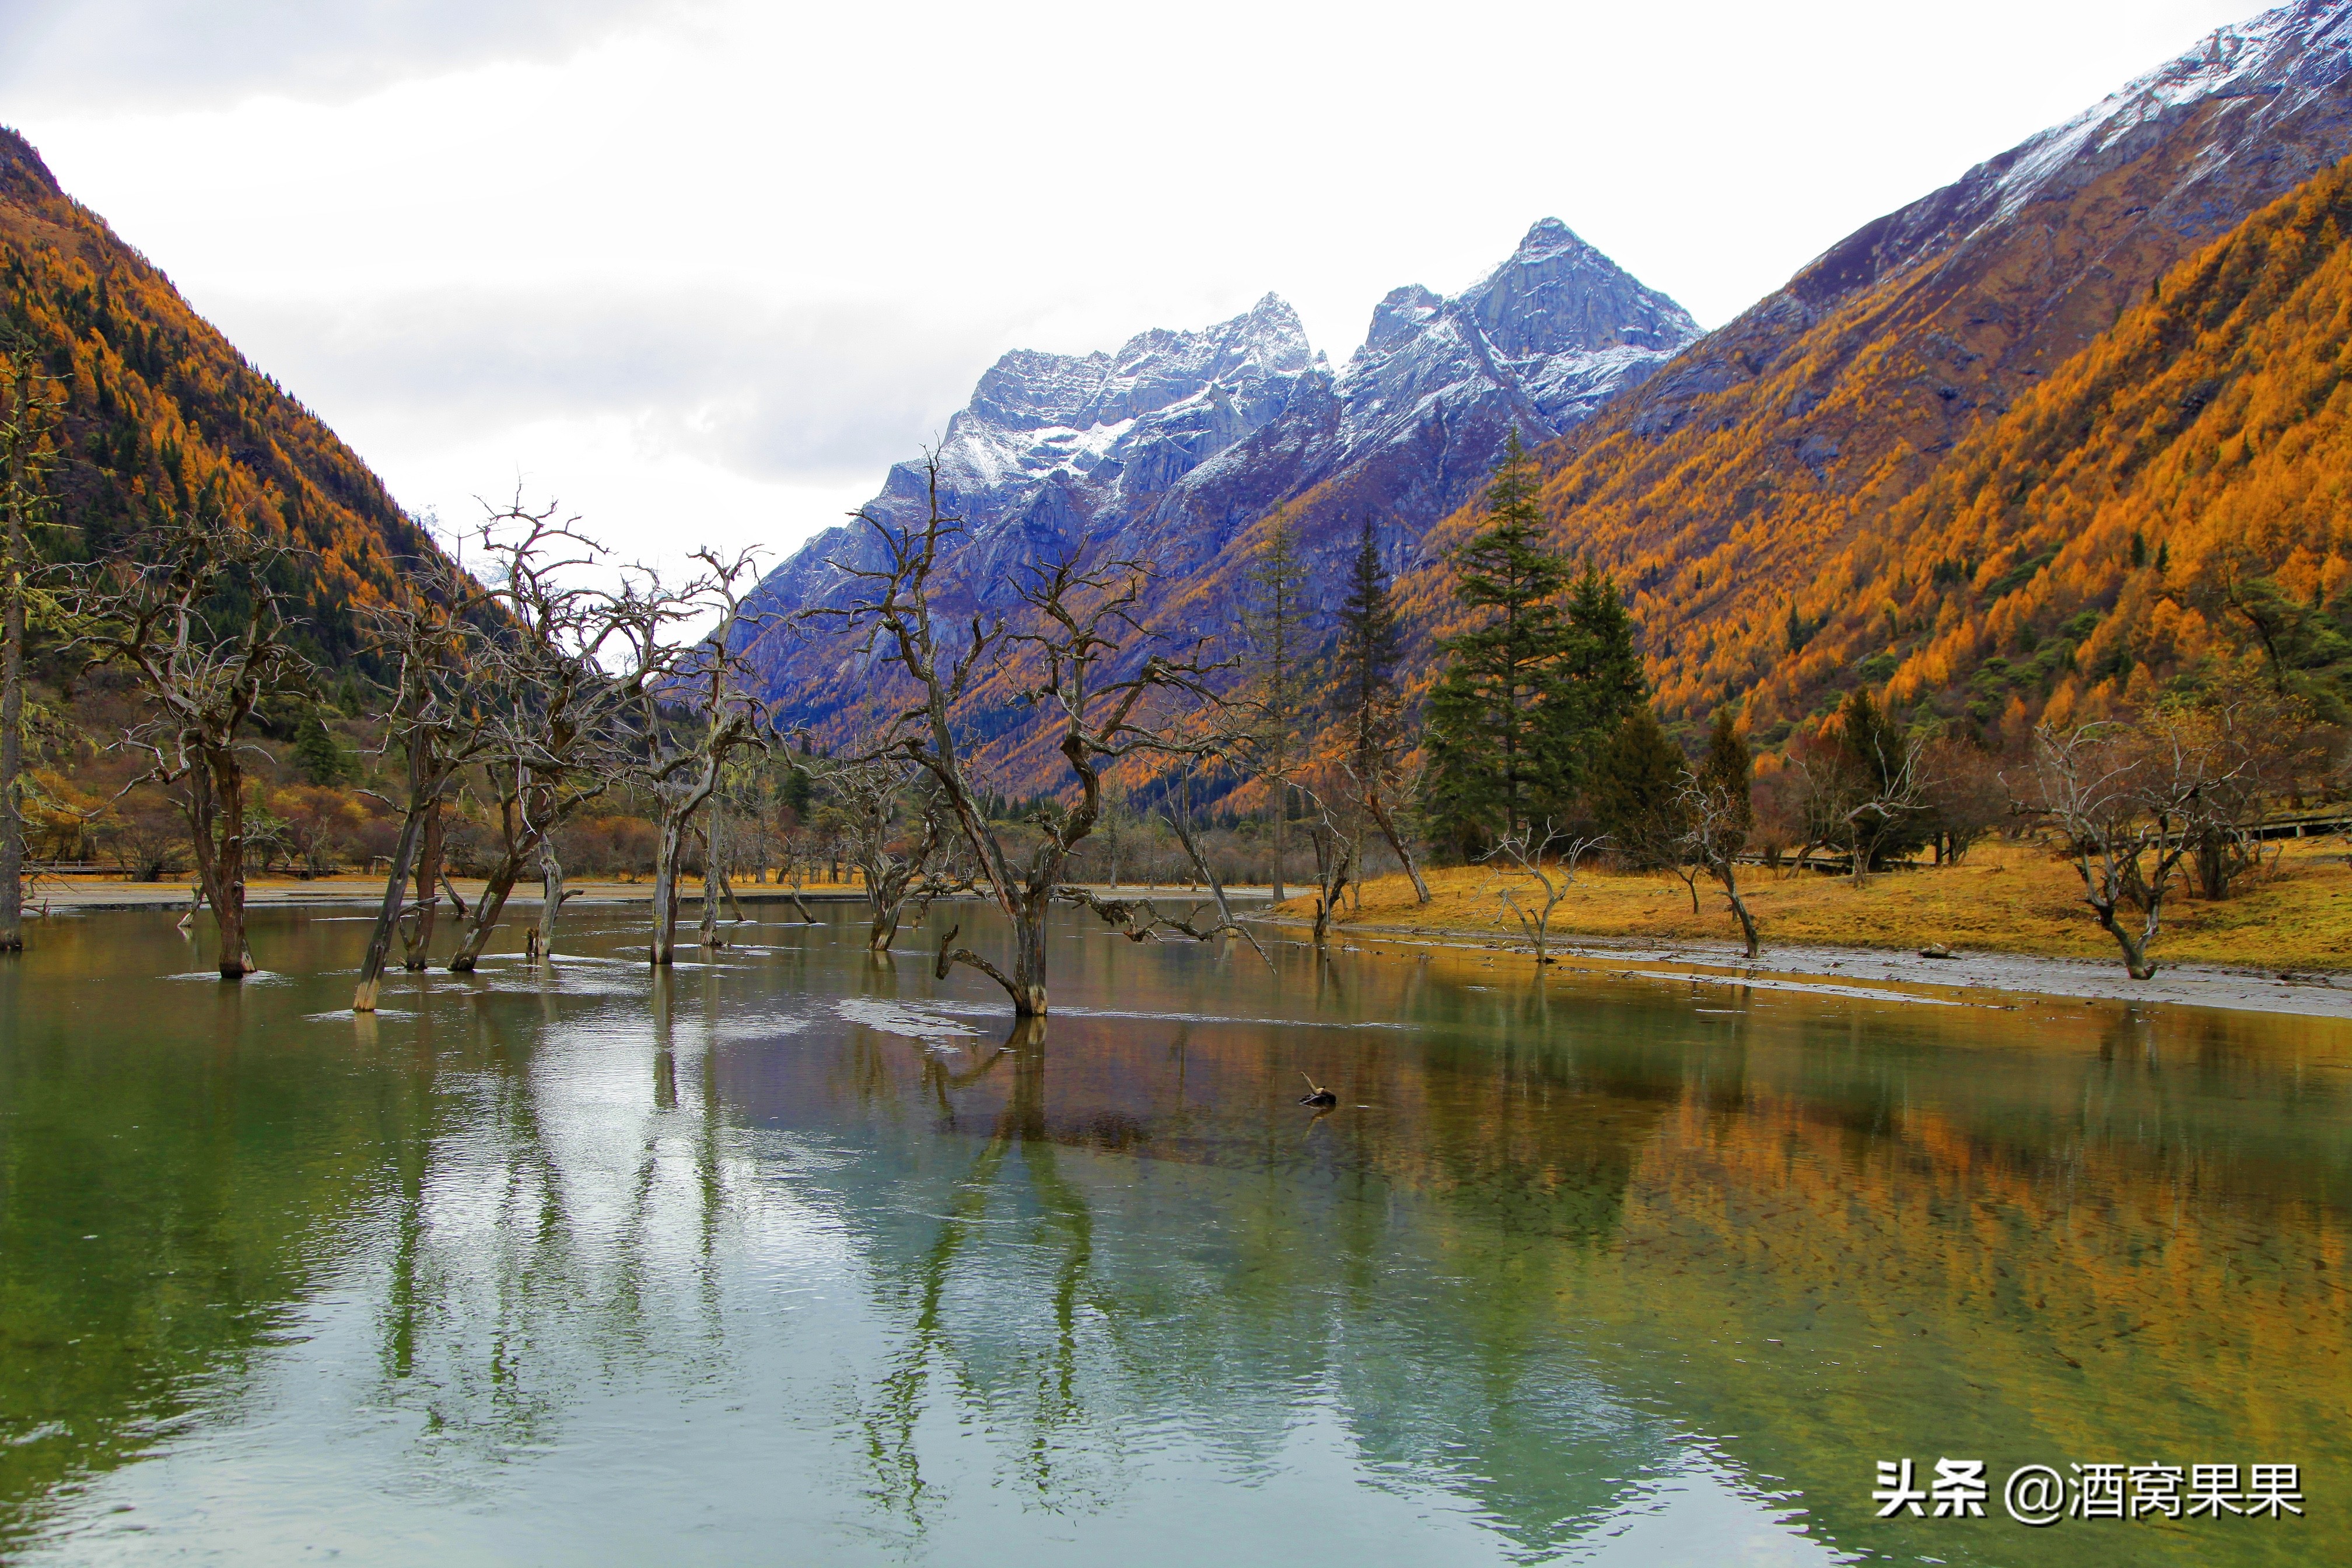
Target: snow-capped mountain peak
<point x="1557" y="323"/>
<point x="1173" y="442"/>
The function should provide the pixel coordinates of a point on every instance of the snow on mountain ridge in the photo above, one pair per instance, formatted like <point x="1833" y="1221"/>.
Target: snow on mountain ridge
<point x="1050" y="442"/>
<point x="2238" y="56"/>
<point x="1152" y="408"/>
<point x="1557" y="327"/>
<point x="2284" y="64"/>
<point x="1170" y="446"/>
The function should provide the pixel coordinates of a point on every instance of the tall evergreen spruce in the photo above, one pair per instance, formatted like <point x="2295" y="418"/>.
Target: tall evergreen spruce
<point x="1370" y="642"/>
<point x="317" y="754"/>
<point x="1602" y="676"/>
<point x="1884" y="821"/>
<point x="1493" y="715"/>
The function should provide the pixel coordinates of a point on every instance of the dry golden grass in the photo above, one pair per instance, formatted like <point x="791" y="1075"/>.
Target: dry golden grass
<point x="2004" y="898"/>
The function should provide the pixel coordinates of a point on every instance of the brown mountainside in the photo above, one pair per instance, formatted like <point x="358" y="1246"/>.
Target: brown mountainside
<point x="1763" y="471"/>
<point x="2181" y="489"/>
<point x="162" y="413"/>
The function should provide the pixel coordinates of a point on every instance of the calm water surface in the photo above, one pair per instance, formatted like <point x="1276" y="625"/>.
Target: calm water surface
<point x="786" y="1260"/>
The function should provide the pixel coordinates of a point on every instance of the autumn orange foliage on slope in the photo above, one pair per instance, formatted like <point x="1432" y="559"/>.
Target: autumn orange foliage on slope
<point x="2132" y="507"/>
<point x="162" y="413"/>
<point x="1751" y="496"/>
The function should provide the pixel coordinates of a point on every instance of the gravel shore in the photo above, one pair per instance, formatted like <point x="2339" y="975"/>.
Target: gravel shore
<point x="1969" y="978"/>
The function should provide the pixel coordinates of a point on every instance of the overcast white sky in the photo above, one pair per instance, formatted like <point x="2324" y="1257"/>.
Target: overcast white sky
<point x="703" y="268"/>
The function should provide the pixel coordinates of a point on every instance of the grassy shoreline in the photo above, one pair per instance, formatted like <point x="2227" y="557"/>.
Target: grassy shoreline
<point x="2007" y="899"/>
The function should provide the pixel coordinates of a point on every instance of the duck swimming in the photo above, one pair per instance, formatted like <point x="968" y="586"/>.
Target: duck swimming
<point x="1317" y="1094"/>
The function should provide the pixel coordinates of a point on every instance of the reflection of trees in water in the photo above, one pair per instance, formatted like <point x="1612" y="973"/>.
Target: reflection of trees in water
<point x="173" y="1174"/>
<point x="1065" y="1295"/>
<point x="530" y="1260"/>
<point x="1428" y="1270"/>
<point x="1145" y="1244"/>
<point x="2062" y="1261"/>
<point x="1028" y="1382"/>
<point x="454" y="1332"/>
<point x="1076" y="1255"/>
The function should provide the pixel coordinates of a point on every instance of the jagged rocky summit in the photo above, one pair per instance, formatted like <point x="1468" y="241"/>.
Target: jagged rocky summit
<point x="1167" y="448"/>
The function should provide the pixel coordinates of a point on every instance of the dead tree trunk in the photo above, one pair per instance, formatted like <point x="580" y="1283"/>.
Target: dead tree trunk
<point x="1385" y="820"/>
<point x="550" y="883"/>
<point x="216" y="813"/>
<point x="524" y="822"/>
<point x="387" y="918"/>
<point x="711" y="882"/>
<point x="488" y="909"/>
<point x="673" y="838"/>
<point x="1335" y="862"/>
<point x="416" y="940"/>
<point x="153" y="608"/>
<point x="1078" y="618"/>
<point x="1729" y="877"/>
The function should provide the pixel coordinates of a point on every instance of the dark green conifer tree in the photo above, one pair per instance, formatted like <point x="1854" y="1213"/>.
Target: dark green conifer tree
<point x="1601" y="677"/>
<point x="1885" y="818"/>
<point x="1495" y="759"/>
<point x="797" y="794"/>
<point x="1370" y="643"/>
<point x="1635" y="791"/>
<point x="1274" y="625"/>
<point x="1728" y="769"/>
<point x="318" y="754"/>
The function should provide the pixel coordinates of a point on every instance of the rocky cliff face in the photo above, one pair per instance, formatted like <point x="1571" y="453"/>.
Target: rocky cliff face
<point x="1167" y="448"/>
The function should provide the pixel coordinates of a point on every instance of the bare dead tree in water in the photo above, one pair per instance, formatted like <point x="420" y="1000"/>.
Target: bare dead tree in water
<point x="691" y="709"/>
<point x="1059" y="657"/>
<point x="1335" y="863"/>
<point x="196" y="611"/>
<point x="717" y="891"/>
<point x="1336" y="836"/>
<point x="449" y="684"/>
<point x="722" y="816"/>
<point x="1142" y="919"/>
<point x="553" y="743"/>
<point x="541" y="943"/>
<point x="899" y="833"/>
<point x="1546" y="855"/>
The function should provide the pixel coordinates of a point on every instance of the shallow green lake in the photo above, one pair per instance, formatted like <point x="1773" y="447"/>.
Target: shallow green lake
<point x="784" y="1260"/>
